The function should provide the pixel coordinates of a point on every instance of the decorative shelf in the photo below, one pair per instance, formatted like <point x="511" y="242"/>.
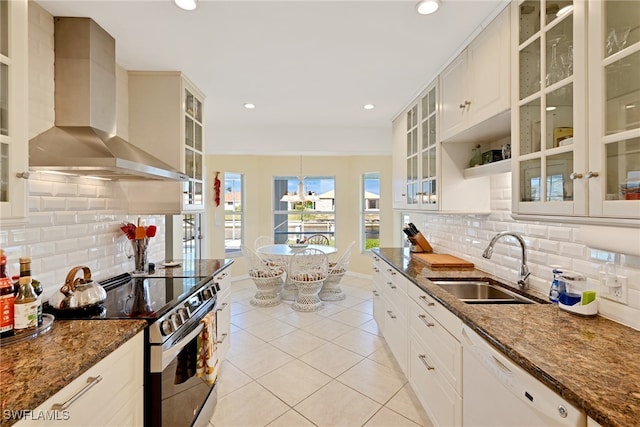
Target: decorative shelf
<point x="488" y="169"/>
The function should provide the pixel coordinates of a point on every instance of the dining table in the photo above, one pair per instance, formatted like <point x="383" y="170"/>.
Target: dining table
<point x="280" y="253"/>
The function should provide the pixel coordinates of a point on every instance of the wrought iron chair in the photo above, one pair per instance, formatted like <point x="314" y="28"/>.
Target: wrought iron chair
<point x="308" y="270"/>
<point x="267" y="279"/>
<point x="331" y="290"/>
<point x="317" y="239"/>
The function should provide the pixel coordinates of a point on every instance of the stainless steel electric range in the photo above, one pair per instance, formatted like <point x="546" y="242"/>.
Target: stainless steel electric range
<point x="173" y="308"/>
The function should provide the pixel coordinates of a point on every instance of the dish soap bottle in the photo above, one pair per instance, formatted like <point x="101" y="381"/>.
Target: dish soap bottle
<point x="557" y="286"/>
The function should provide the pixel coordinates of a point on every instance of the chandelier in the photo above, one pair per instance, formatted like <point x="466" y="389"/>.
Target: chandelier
<point x="301" y="195"/>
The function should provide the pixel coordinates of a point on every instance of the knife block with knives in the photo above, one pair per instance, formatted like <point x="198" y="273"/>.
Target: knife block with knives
<point x="418" y="241"/>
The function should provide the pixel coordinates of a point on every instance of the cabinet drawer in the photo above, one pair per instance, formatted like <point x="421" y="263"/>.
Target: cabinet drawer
<point x="438" y="398"/>
<point x="115" y="400"/>
<point x="450" y="321"/>
<point x="394" y="331"/>
<point x="444" y="349"/>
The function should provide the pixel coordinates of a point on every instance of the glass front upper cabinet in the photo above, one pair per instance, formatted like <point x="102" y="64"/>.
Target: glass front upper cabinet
<point x="412" y="157"/>
<point x="618" y="138"/>
<point x="549" y="59"/>
<point x="428" y="189"/>
<point x="193" y="151"/>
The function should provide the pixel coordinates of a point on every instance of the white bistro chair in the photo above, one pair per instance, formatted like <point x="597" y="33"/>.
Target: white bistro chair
<point x="331" y="290"/>
<point x="267" y="279"/>
<point x="307" y="271"/>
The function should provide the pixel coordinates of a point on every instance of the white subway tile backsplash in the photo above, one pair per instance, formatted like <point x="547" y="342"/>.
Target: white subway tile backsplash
<point x="66" y="246"/>
<point x="78" y="230"/>
<point x="86" y="217"/>
<point x="53" y="262"/>
<point x="37" y="219"/>
<point x="51" y="204"/>
<point x="87" y="190"/>
<point x="77" y="204"/>
<point x="62" y="189"/>
<point x="537" y="230"/>
<point x="48" y="234"/>
<point x="26" y="236"/>
<point x="40" y="188"/>
<point x="97" y="204"/>
<point x="34" y="203"/>
<point x="41" y="250"/>
<point x="549" y="246"/>
<point x="573" y="250"/>
<point x="64" y="218"/>
<point x="561" y="233"/>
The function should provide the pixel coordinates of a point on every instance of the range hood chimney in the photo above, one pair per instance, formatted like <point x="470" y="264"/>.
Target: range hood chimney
<point x="83" y="140"/>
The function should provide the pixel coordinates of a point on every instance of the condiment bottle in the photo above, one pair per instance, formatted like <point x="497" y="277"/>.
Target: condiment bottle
<point x="25" y="271"/>
<point x="25" y="307"/>
<point x="6" y="299"/>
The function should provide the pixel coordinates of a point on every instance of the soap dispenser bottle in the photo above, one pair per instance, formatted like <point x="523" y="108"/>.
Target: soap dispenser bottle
<point x="557" y="286"/>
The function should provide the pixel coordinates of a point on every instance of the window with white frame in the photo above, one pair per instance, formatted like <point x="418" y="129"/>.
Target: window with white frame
<point x="303" y="208"/>
<point x="370" y="215"/>
<point x="233" y="214"/>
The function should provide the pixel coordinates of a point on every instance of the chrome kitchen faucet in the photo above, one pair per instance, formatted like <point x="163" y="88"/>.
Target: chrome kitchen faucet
<point x="524" y="270"/>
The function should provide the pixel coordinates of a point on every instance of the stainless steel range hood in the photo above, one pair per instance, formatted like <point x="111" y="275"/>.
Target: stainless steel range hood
<point x="83" y="141"/>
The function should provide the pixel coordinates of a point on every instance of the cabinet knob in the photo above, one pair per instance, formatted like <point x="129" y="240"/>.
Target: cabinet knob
<point x="592" y="174"/>
<point x="23" y="175"/>
<point x="575" y="176"/>
<point x="465" y="105"/>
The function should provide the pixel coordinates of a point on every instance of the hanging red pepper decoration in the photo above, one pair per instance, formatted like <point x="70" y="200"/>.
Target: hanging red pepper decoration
<point x="216" y="188"/>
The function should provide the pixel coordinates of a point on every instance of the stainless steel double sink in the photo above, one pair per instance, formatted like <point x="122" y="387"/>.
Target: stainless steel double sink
<point x="480" y="292"/>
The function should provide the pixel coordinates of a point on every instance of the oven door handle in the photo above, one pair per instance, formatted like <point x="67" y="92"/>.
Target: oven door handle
<point x="169" y="354"/>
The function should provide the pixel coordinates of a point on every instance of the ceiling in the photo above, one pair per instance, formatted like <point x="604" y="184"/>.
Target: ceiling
<point x="303" y="63"/>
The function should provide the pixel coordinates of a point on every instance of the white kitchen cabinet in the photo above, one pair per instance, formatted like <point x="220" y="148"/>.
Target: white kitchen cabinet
<point x="392" y="287"/>
<point x="109" y="394"/>
<point x="569" y="160"/>
<point x="223" y="313"/>
<point x="614" y="114"/>
<point x="435" y="358"/>
<point x="166" y="119"/>
<point x="13" y="111"/>
<point x="475" y="86"/>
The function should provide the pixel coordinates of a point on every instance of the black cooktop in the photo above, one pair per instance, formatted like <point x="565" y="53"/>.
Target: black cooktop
<point x="130" y="297"/>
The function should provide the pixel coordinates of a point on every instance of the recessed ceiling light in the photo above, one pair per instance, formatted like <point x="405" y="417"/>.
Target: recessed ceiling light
<point x="186" y="4"/>
<point x="550" y="108"/>
<point x="630" y="106"/>
<point x="249" y="106"/>
<point x="427" y="7"/>
<point x="368" y="106"/>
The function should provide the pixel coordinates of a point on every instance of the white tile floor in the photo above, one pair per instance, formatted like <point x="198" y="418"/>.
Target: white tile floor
<point x="328" y="368"/>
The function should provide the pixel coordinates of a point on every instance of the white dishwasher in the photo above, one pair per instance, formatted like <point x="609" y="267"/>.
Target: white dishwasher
<point x="496" y="392"/>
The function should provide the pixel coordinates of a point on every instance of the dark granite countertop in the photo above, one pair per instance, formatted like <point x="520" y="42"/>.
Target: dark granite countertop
<point x="590" y="361"/>
<point x="31" y="371"/>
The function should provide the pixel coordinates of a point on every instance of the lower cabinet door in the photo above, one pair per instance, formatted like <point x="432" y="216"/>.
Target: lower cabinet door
<point x="438" y="398"/>
<point x="108" y="394"/>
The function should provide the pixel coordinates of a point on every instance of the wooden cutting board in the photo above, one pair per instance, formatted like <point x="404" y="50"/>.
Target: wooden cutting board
<point x="442" y="261"/>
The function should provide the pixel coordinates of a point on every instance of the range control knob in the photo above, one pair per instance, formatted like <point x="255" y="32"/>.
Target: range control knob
<point x="183" y="314"/>
<point x="166" y="327"/>
<point x="207" y="294"/>
<point x="176" y="319"/>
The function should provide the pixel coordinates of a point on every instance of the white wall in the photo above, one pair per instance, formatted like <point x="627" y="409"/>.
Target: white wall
<point x="548" y="244"/>
<point x="259" y="170"/>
